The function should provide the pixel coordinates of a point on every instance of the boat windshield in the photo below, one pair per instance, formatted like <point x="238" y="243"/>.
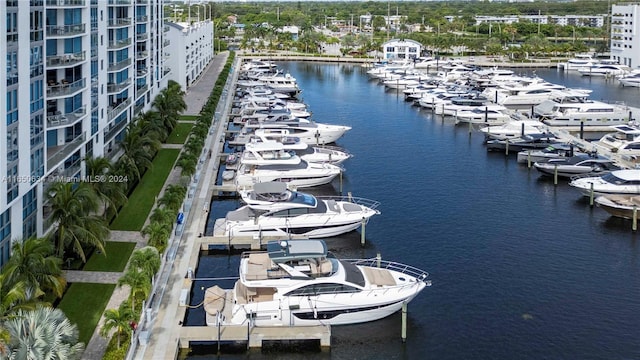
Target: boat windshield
<point x="305" y="199"/>
<point x="612" y="179"/>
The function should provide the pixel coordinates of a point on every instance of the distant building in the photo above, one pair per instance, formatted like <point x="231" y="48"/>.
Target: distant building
<point x="293" y="30"/>
<point x="191" y="50"/>
<point x="401" y="49"/>
<point x="625" y="27"/>
<point x="596" y="21"/>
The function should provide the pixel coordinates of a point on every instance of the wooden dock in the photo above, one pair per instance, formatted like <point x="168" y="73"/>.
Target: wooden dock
<point x="254" y="336"/>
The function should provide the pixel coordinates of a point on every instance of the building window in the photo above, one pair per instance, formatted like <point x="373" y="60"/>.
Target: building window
<point x="12" y="183"/>
<point x="5" y="237"/>
<point x="29" y="214"/>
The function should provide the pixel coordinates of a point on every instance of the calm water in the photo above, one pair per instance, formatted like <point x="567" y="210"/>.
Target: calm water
<point x="521" y="269"/>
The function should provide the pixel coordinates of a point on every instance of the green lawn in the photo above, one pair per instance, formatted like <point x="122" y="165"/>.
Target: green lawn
<point x="116" y="258"/>
<point x="188" y="117"/>
<point x="133" y="215"/>
<point x="84" y="303"/>
<point x="180" y="133"/>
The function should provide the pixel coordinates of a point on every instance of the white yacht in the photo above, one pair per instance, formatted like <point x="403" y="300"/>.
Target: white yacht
<point x="529" y="93"/>
<point x="582" y="164"/>
<point x="253" y="64"/>
<point x="580" y="61"/>
<point x="632" y="79"/>
<point x="578" y="111"/>
<point x="604" y="69"/>
<point x="626" y="182"/>
<point x="308" y="131"/>
<point x="515" y="129"/>
<point x="490" y="115"/>
<point x="554" y="151"/>
<point x="624" y="141"/>
<point x="299" y="283"/>
<point x="282" y="83"/>
<point x="274" y="210"/>
<point x="314" y="154"/>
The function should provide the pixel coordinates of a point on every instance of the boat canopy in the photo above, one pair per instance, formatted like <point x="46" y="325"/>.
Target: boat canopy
<point x="288" y="250"/>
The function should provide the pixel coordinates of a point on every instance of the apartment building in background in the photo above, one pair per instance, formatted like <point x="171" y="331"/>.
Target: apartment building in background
<point x="77" y="72"/>
<point x="625" y="34"/>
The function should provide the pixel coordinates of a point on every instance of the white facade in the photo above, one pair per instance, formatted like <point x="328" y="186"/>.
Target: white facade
<point x="625" y="30"/>
<point x="191" y="50"/>
<point x="401" y="49"/>
<point x="563" y="20"/>
<point x="77" y="71"/>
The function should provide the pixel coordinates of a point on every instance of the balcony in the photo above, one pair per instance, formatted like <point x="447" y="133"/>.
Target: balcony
<point x="142" y="55"/>
<point x="142" y="19"/>
<point x="65" y="89"/>
<point x="65" y="3"/>
<point x="114" y="23"/>
<point x="115" y="109"/>
<point x="137" y="109"/>
<point x="57" y="154"/>
<point x="65" y="60"/>
<point x="119" y="2"/>
<point x="142" y="2"/>
<point x="142" y="37"/>
<point x="141" y="89"/>
<point x="116" y="88"/>
<point x="114" y="130"/>
<point x="65" y="30"/>
<point x="141" y="72"/>
<point x="119" y="44"/>
<point x="59" y="119"/>
<point x="166" y="43"/>
<point x="119" y="65"/>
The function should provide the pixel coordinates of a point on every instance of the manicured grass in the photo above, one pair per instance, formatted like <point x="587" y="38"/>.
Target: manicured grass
<point x="188" y="117"/>
<point x="133" y="215"/>
<point x="84" y="303"/>
<point x="116" y="258"/>
<point x="180" y="133"/>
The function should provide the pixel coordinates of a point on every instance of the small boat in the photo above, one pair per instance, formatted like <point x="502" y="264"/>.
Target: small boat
<point x="524" y="142"/>
<point x="624" y="141"/>
<point x="605" y="68"/>
<point x="231" y="159"/>
<point x="554" y="151"/>
<point x="622" y="182"/>
<point x="228" y="175"/>
<point x="622" y="206"/>
<point x="585" y="165"/>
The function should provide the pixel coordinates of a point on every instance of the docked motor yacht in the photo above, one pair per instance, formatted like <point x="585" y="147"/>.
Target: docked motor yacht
<point x="299" y="283"/>
<point x="580" y="111"/>
<point x="583" y="164"/>
<point x="528" y="93"/>
<point x="514" y="129"/>
<point x="554" y="151"/>
<point x="625" y="140"/>
<point x="274" y="210"/>
<point x="314" y="154"/>
<point x="580" y="61"/>
<point x="622" y="206"/>
<point x="523" y="142"/>
<point x="491" y="115"/>
<point x="632" y="79"/>
<point x="282" y="83"/>
<point x="604" y="69"/>
<point x="625" y="182"/>
<point x="308" y="131"/>
<point x="265" y="162"/>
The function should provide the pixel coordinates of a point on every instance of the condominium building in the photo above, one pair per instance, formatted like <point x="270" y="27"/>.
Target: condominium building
<point x="191" y="50"/>
<point x="625" y="33"/>
<point x="77" y="72"/>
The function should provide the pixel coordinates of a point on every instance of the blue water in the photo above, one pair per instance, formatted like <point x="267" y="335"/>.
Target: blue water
<point x="521" y="269"/>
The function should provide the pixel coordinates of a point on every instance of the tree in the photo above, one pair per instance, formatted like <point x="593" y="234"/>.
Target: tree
<point x="188" y="163"/>
<point x="32" y="262"/>
<point x="73" y="208"/>
<point x="119" y="320"/>
<point x="43" y="334"/>
<point x="147" y="260"/>
<point x="158" y="233"/>
<point x="138" y="151"/>
<point x="111" y="193"/>
<point x="139" y="283"/>
<point x="169" y="103"/>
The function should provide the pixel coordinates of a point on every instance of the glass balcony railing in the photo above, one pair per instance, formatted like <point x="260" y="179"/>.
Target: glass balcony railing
<point x="65" y="88"/>
<point x="141" y="19"/>
<point x="116" y="88"/>
<point x="119" y="65"/>
<point x="118" y="22"/>
<point x="141" y="89"/>
<point x="119" y="2"/>
<point x="57" y="154"/>
<point x="142" y="37"/>
<point x="115" y="109"/>
<point x="65" y="30"/>
<point x="118" y="44"/>
<point x="66" y="59"/>
<point x="65" y="119"/>
<point x="142" y="54"/>
<point x="66" y="2"/>
<point x="137" y="109"/>
<point x="114" y="130"/>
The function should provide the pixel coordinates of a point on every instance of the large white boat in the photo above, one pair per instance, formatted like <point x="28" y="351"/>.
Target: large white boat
<point x="490" y="115"/>
<point x="632" y="79"/>
<point x="315" y="154"/>
<point x="273" y="210"/>
<point x="299" y="283"/>
<point x="282" y="83"/>
<point x="623" y="206"/>
<point x="554" y="151"/>
<point x="579" y="111"/>
<point x="514" y="129"/>
<point x="604" y="69"/>
<point x="308" y="131"/>
<point x="580" y="61"/>
<point x="625" y="182"/>
<point x="625" y="140"/>
<point x="583" y="164"/>
<point x="530" y="92"/>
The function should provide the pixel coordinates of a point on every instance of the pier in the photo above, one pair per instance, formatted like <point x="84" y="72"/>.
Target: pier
<point x="253" y="336"/>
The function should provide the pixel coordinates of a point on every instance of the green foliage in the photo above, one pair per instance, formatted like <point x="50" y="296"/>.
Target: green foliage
<point x="118" y="256"/>
<point x="83" y="303"/>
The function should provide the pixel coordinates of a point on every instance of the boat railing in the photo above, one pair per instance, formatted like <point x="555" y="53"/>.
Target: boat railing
<point x="372" y="204"/>
<point x="419" y="274"/>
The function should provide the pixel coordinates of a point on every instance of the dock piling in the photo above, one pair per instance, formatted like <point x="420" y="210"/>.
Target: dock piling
<point x="529" y="159"/>
<point x="591" y="196"/>
<point x="363" y="231"/>
<point x="555" y="174"/>
<point x="506" y="147"/>
<point x="634" y="222"/>
<point x="404" y="322"/>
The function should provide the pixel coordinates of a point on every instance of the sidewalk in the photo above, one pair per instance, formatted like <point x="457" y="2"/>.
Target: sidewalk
<point x="195" y="98"/>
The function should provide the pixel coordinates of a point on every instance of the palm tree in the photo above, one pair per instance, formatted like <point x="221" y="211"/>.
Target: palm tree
<point x="151" y="123"/>
<point x="138" y="151"/>
<point x="119" y="319"/>
<point x="169" y="103"/>
<point x="173" y="197"/>
<point x="147" y="260"/>
<point x="73" y="208"/>
<point x="188" y="163"/>
<point x="139" y="283"/>
<point x="33" y="263"/>
<point x="163" y="215"/>
<point x="43" y="334"/>
<point x="158" y="233"/>
<point x="111" y="193"/>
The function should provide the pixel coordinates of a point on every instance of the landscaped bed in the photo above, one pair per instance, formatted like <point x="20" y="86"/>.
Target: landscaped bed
<point x="117" y="255"/>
